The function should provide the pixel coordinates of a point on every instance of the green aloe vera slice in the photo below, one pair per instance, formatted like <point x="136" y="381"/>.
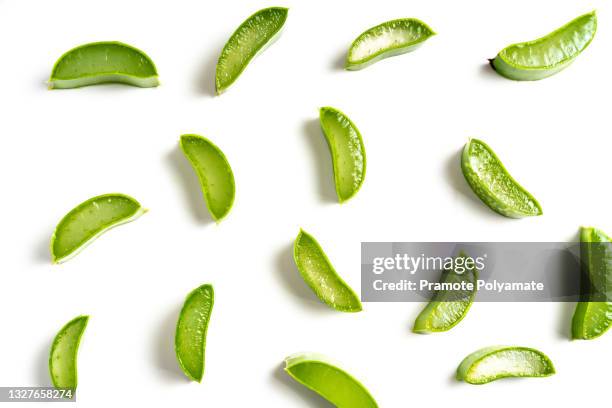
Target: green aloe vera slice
<point x="251" y="38"/>
<point x="388" y="39"/>
<point x="492" y="363"/>
<point x="347" y="151"/>
<point x="319" y="374"/>
<point x="64" y="351"/>
<point x="215" y="174"/>
<point x="103" y="62"/>
<point x="488" y="178"/>
<point x="191" y="328"/>
<point x="320" y="275"/>
<point x="593" y="315"/>
<point x="447" y="307"/>
<point x="541" y="58"/>
<point x="90" y="219"/>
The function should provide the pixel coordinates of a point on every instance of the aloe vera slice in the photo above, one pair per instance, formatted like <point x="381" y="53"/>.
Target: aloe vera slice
<point x="215" y="174"/>
<point x="319" y="374"/>
<point x="593" y="315"/>
<point x="541" y="58"/>
<point x="320" y="275"/>
<point x="492" y="363"/>
<point x="490" y="181"/>
<point x="103" y="62"/>
<point x="447" y="308"/>
<point x="251" y="38"/>
<point x="90" y="219"/>
<point x="191" y="329"/>
<point x="388" y="39"/>
<point x="347" y="151"/>
<point x="64" y="351"/>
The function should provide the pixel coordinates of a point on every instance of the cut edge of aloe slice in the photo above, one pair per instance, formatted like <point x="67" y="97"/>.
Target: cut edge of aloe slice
<point x="335" y="156"/>
<point x="94" y="79"/>
<point x="59" y="260"/>
<point x="220" y="89"/>
<point x="390" y="51"/>
<point x="467" y="367"/>
<point x="511" y="70"/>
<point x="83" y="320"/>
<point x="486" y="195"/>
<point x="355" y="306"/>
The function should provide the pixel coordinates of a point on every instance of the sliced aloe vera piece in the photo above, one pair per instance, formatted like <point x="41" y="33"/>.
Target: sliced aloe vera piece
<point x="90" y="219"/>
<point x="64" y="351"/>
<point x="388" y="39"/>
<point x="103" y="62"/>
<point x="448" y="307"/>
<point x="492" y="183"/>
<point x="215" y="174"/>
<point x="191" y="329"/>
<point x="320" y="275"/>
<point x="251" y="38"/>
<point x="541" y="58"/>
<point x="319" y="374"/>
<point x="347" y="151"/>
<point x="492" y="363"/>
<point x="593" y="315"/>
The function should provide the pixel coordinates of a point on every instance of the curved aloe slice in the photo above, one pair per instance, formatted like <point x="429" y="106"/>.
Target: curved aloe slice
<point x="215" y="174"/>
<point x="541" y="58"/>
<point x="447" y="308"/>
<point x="492" y="363"/>
<point x="387" y="40"/>
<point x="337" y="386"/>
<point x="593" y="315"/>
<point x="251" y="38"/>
<point x="320" y="275"/>
<point x="63" y="355"/>
<point x="90" y="219"/>
<point x="347" y="151"/>
<point x="190" y="338"/>
<point x="491" y="182"/>
<point x="103" y="62"/>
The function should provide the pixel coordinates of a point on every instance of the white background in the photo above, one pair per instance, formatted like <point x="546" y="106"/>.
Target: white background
<point x="415" y="112"/>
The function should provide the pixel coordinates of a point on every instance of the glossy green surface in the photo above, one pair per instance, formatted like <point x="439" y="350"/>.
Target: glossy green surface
<point x="320" y="275"/>
<point x="541" y="58"/>
<point x="63" y="355"/>
<point x="215" y="174"/>
<point x="488" y="178"/>
<point x="337" y="386"/>
<point x="593" y="317"/>
<point x="447" y="308"/>
<point x="191" y="328"/>
<point x="103" y="62"/>
<point x="253" y="36"/>
<point x="347" y="151"/>
<point x="87" y="221"/>
<point x="387" y="40"/>
<point x="492" y="363"/>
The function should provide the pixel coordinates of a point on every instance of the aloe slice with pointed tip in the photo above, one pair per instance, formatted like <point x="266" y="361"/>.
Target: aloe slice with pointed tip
<point x="191" y="329"/>
<point x="492" y="183"/>
<point x="347" y="151"/>
<point x="103" y="62"/>
<point x="214" y="172"/>
<point x="320" y="275"/>
<point x="64" y="352"/>
<point x="593" y="315"/>
<point x="90" y="219"/>
<point x="541" y="58"/>
<point x="493" y="363"/>
<point x="385" y="40"/>
<point x="251" y="38"/>
<point x="319" y="374"/>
